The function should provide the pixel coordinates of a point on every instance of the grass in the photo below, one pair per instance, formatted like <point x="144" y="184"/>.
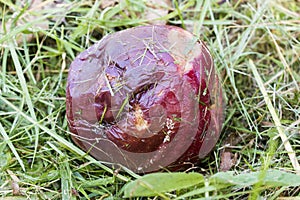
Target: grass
<point x="256" y="49"/>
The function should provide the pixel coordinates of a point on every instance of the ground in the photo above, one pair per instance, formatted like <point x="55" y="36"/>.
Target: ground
<point x="256" y="50"/>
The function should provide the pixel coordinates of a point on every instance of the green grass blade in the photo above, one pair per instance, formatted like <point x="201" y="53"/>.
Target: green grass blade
<point x="199" y="23"/>
<point x="65" y="174"/>
<point x="159" y="183"/>
<point x="272" y="178"/>
<point x="248" y="33"/>
<point x="25" y="92"/>
<point x="11" y="146"/>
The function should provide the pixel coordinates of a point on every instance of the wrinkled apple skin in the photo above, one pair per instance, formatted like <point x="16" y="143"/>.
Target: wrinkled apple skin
<point x="146" y="98"/>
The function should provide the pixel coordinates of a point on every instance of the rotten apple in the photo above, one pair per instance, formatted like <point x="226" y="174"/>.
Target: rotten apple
<point x="145" y="98"/>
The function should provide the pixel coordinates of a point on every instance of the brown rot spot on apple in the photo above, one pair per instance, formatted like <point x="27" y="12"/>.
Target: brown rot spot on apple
<point x="147" y="98"/>
<point x="140" y="122"/>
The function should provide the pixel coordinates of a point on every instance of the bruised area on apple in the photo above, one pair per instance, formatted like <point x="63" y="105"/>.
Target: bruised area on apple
<point x="146" y="98"/>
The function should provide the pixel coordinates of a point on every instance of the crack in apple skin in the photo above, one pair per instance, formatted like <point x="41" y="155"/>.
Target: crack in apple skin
<point x="143" y="98"/>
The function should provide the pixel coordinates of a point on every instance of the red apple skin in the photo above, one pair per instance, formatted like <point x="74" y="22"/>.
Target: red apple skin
<point x="145" y="98"/>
